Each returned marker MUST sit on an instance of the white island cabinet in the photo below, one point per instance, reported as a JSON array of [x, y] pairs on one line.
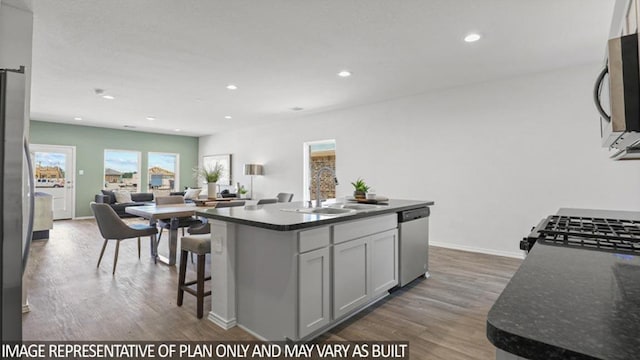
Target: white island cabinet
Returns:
[[364, 268], [313, 281], [293, 284], [282, 275], [350, 280], [365, 262]]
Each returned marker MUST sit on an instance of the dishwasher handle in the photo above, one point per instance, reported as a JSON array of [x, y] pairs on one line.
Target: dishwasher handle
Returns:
[[413, 214]]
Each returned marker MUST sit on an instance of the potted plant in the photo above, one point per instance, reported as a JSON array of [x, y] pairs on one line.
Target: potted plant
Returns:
[[211, 175], [360, 189], [242, 192]]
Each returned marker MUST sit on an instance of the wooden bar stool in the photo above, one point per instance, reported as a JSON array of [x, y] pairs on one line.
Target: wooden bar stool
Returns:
[[201, 246]]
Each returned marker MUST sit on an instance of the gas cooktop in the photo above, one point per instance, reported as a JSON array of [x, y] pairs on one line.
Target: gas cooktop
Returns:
[[614, 235]]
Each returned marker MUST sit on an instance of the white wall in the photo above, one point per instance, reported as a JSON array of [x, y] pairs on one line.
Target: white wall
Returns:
[[496, 157]]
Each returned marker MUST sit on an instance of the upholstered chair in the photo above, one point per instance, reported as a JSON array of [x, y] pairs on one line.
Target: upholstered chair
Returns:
[[113, 228]]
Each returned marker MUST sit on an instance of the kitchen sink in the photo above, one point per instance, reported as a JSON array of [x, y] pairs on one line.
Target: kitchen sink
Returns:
[[322, 211], [330, 211], [335, 209], [359, 207], [325, 211]]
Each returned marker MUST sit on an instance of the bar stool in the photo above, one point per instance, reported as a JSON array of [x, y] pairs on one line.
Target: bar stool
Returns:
[[201, 246]]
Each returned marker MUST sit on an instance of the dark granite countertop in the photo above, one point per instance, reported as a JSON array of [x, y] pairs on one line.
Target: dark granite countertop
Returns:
[[567, 303], [271, 216]]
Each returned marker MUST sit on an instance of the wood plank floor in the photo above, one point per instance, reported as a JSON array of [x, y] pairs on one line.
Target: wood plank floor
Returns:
[[442, 317]]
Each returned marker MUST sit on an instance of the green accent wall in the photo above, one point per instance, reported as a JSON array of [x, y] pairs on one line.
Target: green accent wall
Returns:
[[90, 143]]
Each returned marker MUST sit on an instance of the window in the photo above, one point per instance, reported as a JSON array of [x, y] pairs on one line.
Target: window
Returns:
[[319, 154], [163, 173], [49, 169], [122, 170]]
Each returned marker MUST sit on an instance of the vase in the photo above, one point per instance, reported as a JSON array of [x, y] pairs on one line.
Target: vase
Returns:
[[212, 190], [359, 194]]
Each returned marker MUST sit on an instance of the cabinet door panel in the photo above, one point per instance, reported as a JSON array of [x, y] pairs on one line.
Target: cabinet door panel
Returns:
[[350, 282], [313, 312], [384, 261]]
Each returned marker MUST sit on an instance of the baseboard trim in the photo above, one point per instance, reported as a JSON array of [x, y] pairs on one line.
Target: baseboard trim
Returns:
[[223, 323], [83, 218], [252, 332], [322, 330], [516, 255]]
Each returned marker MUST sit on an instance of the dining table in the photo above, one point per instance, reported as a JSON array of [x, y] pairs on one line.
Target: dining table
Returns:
[[173, 212]]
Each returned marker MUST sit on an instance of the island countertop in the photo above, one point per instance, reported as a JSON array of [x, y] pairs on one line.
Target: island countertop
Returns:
[[283, 217], [568, 303]]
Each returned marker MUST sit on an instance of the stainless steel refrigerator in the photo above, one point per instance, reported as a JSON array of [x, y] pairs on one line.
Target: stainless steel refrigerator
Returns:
[[16, 197]]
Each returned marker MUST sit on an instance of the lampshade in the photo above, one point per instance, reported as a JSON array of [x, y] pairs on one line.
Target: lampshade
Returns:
[[253, 169]]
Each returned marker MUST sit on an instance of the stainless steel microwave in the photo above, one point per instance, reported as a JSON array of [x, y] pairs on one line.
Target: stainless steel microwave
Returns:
[[617, 94]]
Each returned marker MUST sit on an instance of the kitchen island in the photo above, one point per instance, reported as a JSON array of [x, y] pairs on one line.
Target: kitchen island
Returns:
[[570, 303], [282, 272]]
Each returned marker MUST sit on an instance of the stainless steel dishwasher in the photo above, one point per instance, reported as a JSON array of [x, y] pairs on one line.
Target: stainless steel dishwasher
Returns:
[[413, 241]]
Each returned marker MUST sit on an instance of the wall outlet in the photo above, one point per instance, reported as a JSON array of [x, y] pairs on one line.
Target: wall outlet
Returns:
[[80, 172]]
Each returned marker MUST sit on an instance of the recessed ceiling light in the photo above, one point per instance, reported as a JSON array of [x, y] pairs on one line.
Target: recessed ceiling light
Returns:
[[228, 117], [108, 97], [77, 118], [472, 37], [177, 130], [297, 108], [344, 73], [232, 87], [150, 118]]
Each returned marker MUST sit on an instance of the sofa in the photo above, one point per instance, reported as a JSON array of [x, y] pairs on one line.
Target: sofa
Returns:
[[182, 193], [108, 197]]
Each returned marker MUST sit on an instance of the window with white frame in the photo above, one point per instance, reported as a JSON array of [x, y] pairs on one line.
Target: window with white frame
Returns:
[[122, 170], [163, 172]]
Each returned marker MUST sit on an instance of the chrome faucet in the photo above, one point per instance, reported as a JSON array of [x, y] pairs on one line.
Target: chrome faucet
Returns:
[[320, 171]]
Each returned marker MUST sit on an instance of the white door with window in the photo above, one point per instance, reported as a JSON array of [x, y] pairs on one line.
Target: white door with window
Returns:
[[54, 170]]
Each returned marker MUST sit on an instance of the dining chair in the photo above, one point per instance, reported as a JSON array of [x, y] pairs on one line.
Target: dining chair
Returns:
[[285, 197], [183, 222], [113, 228], [267, 201], [204, 227]]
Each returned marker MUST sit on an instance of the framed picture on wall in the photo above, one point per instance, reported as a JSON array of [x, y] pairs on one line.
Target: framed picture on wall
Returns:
[[209, 161]]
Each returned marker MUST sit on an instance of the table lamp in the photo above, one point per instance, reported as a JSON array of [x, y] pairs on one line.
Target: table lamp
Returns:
[[253, 169]]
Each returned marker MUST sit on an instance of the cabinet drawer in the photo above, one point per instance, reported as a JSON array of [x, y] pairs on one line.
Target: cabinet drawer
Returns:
[[359, 228], [313, 239]]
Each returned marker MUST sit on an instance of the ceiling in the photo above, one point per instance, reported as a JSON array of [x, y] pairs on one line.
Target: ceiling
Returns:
[[173, 59]]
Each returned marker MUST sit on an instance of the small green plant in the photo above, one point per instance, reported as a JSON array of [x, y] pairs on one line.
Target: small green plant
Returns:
[[242, 190], [360, 186], [210, 174]]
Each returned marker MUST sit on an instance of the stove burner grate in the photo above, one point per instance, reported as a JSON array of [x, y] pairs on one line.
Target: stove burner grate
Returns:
[[615, 235]]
